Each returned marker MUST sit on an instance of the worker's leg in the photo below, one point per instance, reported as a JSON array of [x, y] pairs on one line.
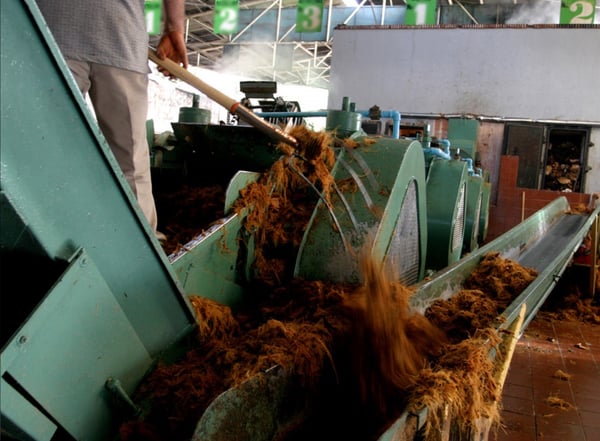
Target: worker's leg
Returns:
[[81, 73], [120, 99]]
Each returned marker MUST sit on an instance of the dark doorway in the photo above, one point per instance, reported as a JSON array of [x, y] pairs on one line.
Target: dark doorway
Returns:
[[527, 142], [566, 159], [551, 157]]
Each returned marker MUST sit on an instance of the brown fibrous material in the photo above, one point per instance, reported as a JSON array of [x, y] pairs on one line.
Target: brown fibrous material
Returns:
[[396, 358], [391, 344], [562, 375], [559, 403]]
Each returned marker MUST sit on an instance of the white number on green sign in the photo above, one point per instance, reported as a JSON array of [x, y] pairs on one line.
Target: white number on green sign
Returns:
[[309, 17], [226, 18], [577, 12], [420, 12]]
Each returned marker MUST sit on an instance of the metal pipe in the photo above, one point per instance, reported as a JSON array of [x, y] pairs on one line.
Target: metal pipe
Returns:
[[467, 12], [356, 9], [254, 20], [498, 118], [292, 114], [113, 385], [437, 152], [445, 145], [329, 14]]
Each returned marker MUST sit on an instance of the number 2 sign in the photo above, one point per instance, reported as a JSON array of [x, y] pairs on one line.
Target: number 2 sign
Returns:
[[225, 18], [577, 11], [309, 16]]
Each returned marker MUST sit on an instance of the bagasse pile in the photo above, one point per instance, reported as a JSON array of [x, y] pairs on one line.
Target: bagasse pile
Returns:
[[463, 377], [567, 302], [184, 212], [359, 350]]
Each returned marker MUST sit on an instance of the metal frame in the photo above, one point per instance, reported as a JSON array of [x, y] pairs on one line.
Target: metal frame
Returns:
[[311, 52]]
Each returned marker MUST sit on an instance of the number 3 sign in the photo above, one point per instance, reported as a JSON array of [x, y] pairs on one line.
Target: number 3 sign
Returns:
[[577, 11], [225, 18], [309, 16]]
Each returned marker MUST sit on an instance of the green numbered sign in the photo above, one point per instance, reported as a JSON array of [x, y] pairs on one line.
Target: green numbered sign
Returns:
[[420, 12], [577, 11], [152, 14], [309, 17], [225, 19]]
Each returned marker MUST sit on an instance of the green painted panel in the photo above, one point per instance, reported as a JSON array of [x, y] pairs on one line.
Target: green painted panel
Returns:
[[484, 218], [473, 213], [383, 171], [446, 207], [62, 181], [463, 134], [75, 340], [20, 419], [209, 265]]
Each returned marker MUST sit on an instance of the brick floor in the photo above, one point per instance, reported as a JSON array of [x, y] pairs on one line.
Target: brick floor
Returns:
[[546, 347]]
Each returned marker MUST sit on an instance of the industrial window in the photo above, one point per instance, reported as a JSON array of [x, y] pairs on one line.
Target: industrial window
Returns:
[[551, 157]]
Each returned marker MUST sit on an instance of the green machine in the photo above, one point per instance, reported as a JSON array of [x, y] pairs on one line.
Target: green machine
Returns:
[[101, 303], [463, 134], [346, 121], [473, 214], [446, 211], [484, 219], [88, 296], [387, 216]]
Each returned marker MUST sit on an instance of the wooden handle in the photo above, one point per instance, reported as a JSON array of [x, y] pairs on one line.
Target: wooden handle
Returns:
[[230, 104], [185, 75]]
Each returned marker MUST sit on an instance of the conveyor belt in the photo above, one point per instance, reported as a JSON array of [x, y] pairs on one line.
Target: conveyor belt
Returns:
[[558, 236], [546, 241]]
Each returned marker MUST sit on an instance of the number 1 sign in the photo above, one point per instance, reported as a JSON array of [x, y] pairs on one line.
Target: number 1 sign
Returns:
[[420, 12]]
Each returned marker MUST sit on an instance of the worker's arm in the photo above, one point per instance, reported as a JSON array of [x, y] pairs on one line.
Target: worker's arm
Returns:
[[172, 44]]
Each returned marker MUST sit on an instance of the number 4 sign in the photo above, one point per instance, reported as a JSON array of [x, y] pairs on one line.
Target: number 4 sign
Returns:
[[577, 11], [309, 16], [225, 18]]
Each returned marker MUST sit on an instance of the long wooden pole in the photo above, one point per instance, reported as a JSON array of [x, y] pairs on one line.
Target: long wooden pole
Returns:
[[230, 104]]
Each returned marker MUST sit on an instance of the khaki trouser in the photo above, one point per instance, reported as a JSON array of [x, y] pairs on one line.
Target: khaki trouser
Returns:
[[120, 100]]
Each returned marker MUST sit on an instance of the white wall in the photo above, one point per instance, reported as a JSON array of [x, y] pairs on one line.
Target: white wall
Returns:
[[518, 72], [533, 73]]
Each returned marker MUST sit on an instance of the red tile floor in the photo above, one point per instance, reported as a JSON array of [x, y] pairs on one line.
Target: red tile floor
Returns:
[[548, 349]]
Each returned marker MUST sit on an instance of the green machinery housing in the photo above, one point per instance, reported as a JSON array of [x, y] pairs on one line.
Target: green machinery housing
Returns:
[[90, 301]]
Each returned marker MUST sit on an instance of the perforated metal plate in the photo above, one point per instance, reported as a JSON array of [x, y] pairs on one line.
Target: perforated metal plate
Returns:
[[459, 225], [403, 257], [385, 224]]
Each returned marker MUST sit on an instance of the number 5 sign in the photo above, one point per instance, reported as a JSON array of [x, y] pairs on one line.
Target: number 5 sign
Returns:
[[225, 18], [577, 11], [309, 16]]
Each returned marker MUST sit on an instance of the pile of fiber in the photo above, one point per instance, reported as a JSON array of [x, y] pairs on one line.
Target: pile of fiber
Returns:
[[360, 350]]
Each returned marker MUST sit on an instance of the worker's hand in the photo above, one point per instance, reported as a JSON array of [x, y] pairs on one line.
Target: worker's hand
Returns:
[[172, 46]]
